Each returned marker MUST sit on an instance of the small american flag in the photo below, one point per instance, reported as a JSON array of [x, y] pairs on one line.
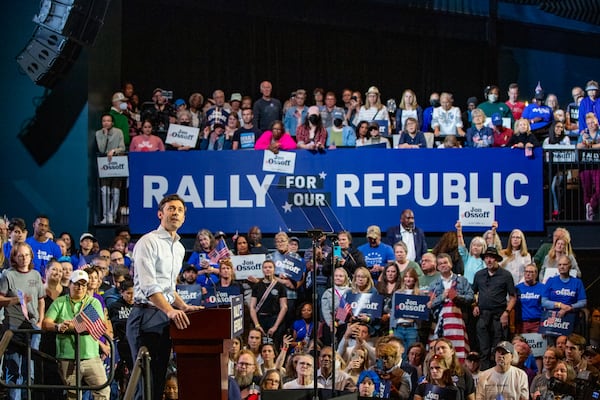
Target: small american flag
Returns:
[[343, 310], [219, 252], [88, 320]]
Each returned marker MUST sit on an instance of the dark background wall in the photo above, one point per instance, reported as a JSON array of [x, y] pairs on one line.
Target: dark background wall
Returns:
[[187, 46]]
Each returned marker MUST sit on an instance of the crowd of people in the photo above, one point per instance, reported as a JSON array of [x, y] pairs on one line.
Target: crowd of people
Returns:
[[481, 298], [322, 123]]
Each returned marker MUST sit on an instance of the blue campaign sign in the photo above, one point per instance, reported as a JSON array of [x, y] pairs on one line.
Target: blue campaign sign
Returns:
[[221, 296], [410, 306], [191, 294], [337, 189], [290, 265], [553, 325], [365, 303]]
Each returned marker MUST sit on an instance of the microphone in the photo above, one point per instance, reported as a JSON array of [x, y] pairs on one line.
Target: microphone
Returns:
[[220, 302]]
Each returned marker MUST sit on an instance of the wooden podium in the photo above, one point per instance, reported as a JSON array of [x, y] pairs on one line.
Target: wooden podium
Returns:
[[201, 364]]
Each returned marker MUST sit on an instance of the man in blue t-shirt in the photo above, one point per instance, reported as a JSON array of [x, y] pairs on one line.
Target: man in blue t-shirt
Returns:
[[43, 248], [244, 138], [377, 254], [529, 300]]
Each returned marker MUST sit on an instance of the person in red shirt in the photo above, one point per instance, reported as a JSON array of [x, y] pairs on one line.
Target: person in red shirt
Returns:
[[501, 134], [516, 106]]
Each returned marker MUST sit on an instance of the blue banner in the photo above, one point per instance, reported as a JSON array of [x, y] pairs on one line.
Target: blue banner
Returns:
[[553, 325], [365, 303], [338, 189], [410, 306], [191, 294]]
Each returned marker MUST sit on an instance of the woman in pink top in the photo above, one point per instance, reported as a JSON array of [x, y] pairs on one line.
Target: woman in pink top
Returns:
[[146, 141], [275, 139]]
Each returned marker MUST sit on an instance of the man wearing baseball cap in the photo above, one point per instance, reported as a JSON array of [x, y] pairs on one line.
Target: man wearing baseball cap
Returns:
[[494, 285], [503, 381], [59, 319]]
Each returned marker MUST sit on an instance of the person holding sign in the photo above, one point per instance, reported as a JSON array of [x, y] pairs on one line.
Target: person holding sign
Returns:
[[110, 143], [563, 293], [406, 328], [438, 383], [472, 261], [268, 304]]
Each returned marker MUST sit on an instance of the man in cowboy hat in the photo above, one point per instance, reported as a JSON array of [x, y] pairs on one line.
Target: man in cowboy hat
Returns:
[[493, 285]]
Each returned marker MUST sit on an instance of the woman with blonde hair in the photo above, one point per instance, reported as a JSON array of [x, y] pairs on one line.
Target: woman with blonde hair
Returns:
[[408, 108], [522, 137], [406, 328], [561, 246], [472, 261], [373, 110], [516, 256], [341, 285]]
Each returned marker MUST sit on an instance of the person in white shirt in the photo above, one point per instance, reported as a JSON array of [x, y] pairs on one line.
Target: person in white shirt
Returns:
[[503, 379]]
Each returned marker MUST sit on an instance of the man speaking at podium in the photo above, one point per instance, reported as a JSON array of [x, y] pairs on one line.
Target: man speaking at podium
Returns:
[[158, 257]]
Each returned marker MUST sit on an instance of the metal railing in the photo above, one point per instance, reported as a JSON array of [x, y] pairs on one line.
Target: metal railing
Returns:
[[141, 369], [564, 169], [28, 385]]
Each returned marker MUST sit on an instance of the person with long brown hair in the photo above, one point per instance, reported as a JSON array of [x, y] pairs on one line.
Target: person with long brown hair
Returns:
[[438, 382]]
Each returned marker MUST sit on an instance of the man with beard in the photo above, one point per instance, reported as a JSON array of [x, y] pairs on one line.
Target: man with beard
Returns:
[[343, 381], [503, 380], [494, 285], [413, 237], [246, 373]]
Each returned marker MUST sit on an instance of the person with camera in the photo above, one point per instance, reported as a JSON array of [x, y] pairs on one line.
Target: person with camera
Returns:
[[356, 336], [561, 385], [395, 383]]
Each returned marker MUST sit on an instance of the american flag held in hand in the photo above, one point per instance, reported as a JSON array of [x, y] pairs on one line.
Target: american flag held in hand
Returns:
[[88, 320], [343, 310], [219, 252]]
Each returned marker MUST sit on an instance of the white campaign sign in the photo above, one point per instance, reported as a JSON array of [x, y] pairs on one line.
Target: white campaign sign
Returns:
[[250, 265], [537, 343], [183, 135], [118, 167], [476, 214], [284, 162]]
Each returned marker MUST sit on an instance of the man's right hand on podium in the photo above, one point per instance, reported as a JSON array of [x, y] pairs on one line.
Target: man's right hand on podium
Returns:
[[179, 318]]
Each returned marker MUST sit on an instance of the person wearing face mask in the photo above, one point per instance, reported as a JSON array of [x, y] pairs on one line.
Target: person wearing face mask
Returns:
[[434, 102], [110, 143], [312, 135], [591, 103], [119, 114], [493, 106], [339, 134]]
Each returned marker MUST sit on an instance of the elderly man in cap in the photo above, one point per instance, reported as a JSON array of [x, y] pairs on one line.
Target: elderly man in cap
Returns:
[[119, 113], [377, 254], [59, 318], [494, 285], [503, 381]]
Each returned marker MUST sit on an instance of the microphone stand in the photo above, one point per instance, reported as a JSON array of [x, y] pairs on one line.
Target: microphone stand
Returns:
[[315, 235]]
